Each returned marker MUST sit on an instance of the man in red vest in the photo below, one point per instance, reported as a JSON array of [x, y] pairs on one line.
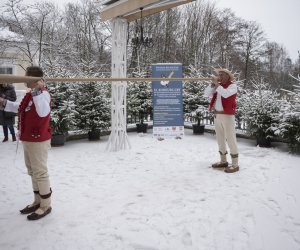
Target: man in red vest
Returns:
[[35, 134], [223, 103]]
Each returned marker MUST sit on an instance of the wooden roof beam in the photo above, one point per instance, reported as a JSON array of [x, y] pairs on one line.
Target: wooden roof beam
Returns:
[[151, 11], [123, 7]]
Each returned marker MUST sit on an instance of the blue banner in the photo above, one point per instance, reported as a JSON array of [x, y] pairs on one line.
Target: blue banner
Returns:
[[168, 120]]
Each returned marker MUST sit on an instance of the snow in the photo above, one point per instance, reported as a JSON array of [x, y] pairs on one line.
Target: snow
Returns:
[[6, 34], [159, 195]]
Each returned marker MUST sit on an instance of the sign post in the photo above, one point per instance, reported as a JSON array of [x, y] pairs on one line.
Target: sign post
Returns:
[[168, 118]]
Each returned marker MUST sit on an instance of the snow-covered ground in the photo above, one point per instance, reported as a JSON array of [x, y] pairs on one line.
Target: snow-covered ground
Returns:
[[160, 195]]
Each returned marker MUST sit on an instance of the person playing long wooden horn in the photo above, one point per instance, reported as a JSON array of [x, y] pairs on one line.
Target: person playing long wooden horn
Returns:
[[223, 93]]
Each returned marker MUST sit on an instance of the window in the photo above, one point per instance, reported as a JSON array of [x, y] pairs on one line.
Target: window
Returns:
[[6, 70]]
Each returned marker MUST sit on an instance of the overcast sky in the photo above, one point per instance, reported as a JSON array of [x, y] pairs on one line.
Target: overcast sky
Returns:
[[280, 19]]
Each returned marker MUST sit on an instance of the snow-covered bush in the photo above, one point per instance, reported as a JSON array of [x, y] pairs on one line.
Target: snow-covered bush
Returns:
[[139, 97], [239, 108], [62, 99], [260, 108], [195, 105], [93, 106], [62, 108], [92, 100], [290, 123]]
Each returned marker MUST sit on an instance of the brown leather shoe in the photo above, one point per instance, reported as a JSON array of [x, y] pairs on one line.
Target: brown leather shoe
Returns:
[[37, 215], [29, 209], [220, 165], [231, 169]]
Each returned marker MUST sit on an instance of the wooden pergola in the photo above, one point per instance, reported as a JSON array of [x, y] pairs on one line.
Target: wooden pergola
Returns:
[[120, 12], [130, 9]]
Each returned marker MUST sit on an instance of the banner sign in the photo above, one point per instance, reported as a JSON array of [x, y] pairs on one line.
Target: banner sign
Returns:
[[168, 118]]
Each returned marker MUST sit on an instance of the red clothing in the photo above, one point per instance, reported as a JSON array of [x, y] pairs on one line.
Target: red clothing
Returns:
[[229, 103], [32, 127]]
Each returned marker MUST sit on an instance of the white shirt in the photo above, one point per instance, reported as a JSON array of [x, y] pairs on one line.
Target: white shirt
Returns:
[[41, 103], [221, 92]]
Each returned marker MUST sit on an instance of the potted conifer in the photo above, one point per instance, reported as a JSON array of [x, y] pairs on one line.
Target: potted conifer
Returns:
[[260, 108], [141, 126], [195, 104], [198, 114], [290, 117], [139, 101], [92, 109], [62, 102], [62, 112]]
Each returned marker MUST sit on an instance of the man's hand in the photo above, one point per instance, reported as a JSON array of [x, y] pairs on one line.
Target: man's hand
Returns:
[[39, 85], [37, 88], [215, 82]]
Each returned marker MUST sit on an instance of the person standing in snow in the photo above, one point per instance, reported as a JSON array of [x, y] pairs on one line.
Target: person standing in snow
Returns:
[[223, 94], [7, 119], [35, 133]]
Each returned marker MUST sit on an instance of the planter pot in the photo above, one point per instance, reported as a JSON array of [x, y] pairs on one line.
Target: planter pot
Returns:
[[94, 135], [263, 142], [198, 129], [58, 140], [141, 127]]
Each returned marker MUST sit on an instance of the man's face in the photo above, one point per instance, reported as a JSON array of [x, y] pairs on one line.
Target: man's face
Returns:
[[223, 77], [31, 84]]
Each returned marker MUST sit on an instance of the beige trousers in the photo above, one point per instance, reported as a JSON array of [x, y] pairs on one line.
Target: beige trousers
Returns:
[[225, 131], [36, 156]]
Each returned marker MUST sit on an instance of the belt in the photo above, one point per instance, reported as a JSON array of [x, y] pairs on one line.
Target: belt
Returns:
[[218, 112]]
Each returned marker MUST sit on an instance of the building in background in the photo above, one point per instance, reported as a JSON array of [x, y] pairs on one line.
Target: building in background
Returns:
[[13, 59]]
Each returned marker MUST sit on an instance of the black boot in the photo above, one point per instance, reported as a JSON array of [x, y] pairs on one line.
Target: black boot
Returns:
[[30, 209], [5, 139], [39, 214], [34, 206], [44, 209], [14, 138]]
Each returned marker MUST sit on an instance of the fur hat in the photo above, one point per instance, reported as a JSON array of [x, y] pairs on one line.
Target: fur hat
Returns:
[[228, 72]]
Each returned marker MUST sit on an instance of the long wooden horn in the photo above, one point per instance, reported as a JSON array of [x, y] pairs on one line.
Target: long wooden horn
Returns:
[[22, 79], [17, 79]]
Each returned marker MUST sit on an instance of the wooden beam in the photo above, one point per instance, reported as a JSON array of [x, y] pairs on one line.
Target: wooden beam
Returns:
[[123, 8], [22, 79], [148, 12]]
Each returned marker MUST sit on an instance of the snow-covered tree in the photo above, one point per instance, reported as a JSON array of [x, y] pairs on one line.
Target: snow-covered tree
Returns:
[[139, 97], [63, 112], [62, 108], [92, 106], [195, 105], [260, 109], [33, 23], [92, 102], [290, 123], [239, 107]]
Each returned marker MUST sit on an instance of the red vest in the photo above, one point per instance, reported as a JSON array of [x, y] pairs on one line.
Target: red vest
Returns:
[[229, 103], [32, 127]]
